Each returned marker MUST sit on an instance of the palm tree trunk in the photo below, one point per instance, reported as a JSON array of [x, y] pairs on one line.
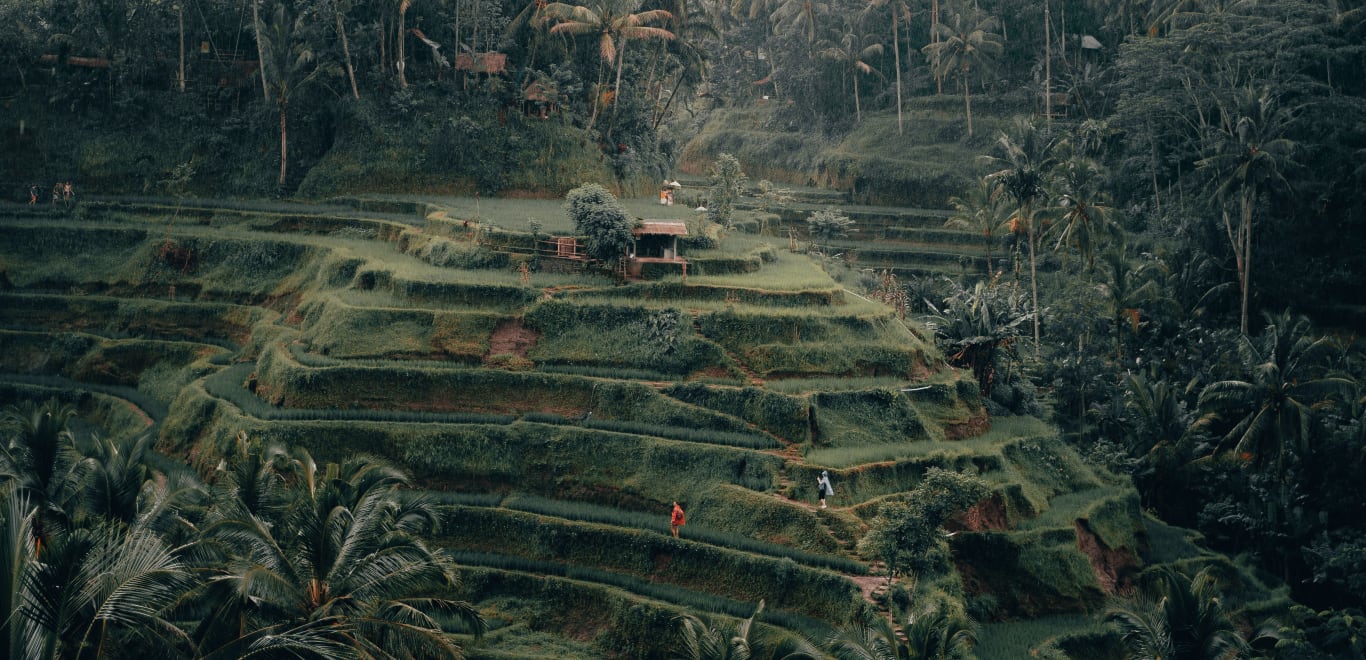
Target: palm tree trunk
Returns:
[[474, 30], [260, 49], [896, 55], [967, 100], [383, 48], [665, 112], [1033, 273], [402, 13], [1047, 68], [858, 112], [1246, 275], [346, 53], [284, 145], [180, 12], [597, 95], [616, 88], [934, 39]]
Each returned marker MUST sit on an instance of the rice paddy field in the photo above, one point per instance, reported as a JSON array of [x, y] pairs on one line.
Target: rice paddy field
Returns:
[[556, 412]]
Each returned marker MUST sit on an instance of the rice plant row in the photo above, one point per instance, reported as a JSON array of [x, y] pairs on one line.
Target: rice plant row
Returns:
[[227, 385], [592, 513], [309, 359], [693, 600], [605, 372], [685, 434], [154, 408]]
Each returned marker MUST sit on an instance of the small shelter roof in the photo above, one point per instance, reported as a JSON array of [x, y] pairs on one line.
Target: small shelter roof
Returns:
[[482, 62], [661, 228], [535, 91]]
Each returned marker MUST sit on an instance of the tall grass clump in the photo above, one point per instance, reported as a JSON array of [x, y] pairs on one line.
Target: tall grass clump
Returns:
[[849, 419], [784, 416]]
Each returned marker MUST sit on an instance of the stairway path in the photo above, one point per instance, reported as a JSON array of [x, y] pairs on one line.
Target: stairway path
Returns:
[[750, 376]]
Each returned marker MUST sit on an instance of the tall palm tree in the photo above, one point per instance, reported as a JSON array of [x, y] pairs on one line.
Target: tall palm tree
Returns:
[[851, 50], [931, 633], [1129, 291], [614, 23], [1085, 219], [116, 471], [898, 9], [1246, 156], [968, 41], [697, 640], [339, 10], [935, 634], [98, 588], [335, 557], [86, 566], [1025, 155], [690, 70], [400, 62], [683, 56], [18, 549], [1178, 14], [1266, 418], [260, 48], [293, 66], [1156, 431], [1176, 617], [982, 213], [800, 16], [38, 461]]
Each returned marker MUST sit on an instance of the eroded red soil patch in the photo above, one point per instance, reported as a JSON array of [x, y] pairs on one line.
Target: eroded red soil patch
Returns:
[[511, 338]]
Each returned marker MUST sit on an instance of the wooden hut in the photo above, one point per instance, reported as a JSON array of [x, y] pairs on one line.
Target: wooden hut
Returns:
[[656, 242]]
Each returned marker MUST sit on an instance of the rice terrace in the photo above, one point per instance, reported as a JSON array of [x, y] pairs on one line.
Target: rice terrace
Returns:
[[640, 330]]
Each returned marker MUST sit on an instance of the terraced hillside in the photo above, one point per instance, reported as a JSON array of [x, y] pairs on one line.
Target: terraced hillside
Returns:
[[903, 241], [558, 414]]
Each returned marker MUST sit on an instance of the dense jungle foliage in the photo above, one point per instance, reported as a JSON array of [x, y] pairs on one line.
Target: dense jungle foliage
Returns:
[[1177, 213]]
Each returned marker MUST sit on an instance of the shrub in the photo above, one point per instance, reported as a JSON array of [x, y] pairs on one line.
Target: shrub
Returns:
[[728, 183], [827, 225], [600, 218]]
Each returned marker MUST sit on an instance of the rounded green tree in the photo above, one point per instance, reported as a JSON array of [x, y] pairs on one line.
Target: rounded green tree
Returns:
[[600, 218]]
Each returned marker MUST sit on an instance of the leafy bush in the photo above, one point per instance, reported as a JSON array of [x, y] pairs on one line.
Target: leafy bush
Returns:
[[598, 216], [728, 183], [827, 225]]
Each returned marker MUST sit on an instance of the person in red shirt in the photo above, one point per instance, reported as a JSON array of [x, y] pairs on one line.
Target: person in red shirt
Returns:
[[676, 520]]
